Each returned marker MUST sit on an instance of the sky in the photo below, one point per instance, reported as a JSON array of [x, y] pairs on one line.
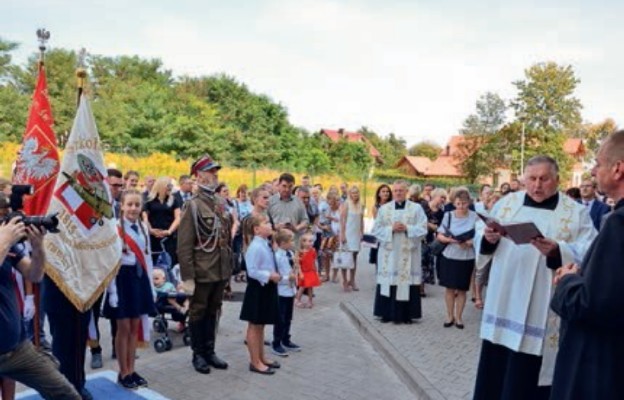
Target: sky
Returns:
[[414, 68]]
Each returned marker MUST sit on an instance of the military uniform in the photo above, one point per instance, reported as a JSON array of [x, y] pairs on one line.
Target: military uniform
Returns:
[[205, 256]]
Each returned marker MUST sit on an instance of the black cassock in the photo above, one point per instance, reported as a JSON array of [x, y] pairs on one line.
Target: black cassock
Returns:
[[590, 361]]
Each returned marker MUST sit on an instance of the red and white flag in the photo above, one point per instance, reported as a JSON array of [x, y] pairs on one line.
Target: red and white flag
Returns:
[[38, 160], [84, 257]]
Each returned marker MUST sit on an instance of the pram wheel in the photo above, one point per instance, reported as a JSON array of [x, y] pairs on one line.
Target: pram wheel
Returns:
[[186, 339], [168, 344], [160, 345]]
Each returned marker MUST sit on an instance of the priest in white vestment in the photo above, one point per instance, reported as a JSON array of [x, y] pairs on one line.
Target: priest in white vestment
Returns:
[[400, 227], [519, 332]]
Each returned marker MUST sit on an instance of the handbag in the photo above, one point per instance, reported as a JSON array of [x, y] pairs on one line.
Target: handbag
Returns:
[[342, 259], [437, 247]]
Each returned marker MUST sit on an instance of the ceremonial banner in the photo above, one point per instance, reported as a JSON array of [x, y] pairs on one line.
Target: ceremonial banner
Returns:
[[84, 257], [38, 160]]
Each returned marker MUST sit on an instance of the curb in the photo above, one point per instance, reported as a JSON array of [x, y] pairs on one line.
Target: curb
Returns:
[[410, 375]]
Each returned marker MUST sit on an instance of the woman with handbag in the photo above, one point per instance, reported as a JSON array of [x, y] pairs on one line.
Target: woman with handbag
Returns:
[[456, 261]]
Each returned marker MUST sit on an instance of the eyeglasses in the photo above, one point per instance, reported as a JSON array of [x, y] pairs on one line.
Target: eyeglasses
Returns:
[[306, 198], [117, 185]]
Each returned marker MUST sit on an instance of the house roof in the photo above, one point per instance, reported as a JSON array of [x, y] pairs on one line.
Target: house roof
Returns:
[[444, 166], [354, 137], [574, 146], [420, 164]]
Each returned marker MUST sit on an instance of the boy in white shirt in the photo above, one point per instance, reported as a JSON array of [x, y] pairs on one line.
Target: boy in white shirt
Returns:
[[286, 290]]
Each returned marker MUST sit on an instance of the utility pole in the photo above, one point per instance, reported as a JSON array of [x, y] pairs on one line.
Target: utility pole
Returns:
[[522, 151]]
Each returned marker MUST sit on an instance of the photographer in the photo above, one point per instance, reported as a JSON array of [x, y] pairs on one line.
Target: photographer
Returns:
[[18, 358]]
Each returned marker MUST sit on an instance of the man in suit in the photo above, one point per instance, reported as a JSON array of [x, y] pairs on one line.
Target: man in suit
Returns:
[[597, 209], [186, 189]]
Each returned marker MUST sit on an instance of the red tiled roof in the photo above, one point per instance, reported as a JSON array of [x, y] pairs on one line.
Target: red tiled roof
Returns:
[[420, 164], [574, 146], [354, 137], [444, 166]]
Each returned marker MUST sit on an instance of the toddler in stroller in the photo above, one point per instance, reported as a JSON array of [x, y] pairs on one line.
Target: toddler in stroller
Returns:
[[169, 302]]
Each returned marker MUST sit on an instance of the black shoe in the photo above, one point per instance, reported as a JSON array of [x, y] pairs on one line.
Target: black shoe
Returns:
[[267, 371], [384, 320], [449, 324], [127, 382], [459, 326], [200, 364], [274, 365], [85, 394], [216, 362], [139, 380], [290, 346]]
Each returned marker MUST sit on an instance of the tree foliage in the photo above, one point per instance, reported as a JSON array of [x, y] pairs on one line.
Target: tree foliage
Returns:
[[425, 148], [489, 116], [547, 112], [141, 108]]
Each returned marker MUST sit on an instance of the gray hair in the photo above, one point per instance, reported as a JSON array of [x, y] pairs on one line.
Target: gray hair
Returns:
[[542, 159], [414, 190], [401, 182], [614, 147]]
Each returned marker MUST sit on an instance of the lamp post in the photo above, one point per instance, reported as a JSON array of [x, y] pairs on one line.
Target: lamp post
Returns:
[[522, 151]]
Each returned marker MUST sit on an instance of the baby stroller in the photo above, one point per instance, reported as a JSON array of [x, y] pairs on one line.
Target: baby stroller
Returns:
[[166, 313], [165, 310]]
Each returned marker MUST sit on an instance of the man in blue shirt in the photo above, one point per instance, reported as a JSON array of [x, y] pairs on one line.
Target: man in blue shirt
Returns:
[[18, 358]]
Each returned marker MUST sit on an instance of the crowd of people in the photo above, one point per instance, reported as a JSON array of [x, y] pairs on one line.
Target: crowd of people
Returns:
[[284, 240]]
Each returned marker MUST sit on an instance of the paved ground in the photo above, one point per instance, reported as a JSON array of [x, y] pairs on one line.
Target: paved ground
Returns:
[[441, 361], [347, 354]]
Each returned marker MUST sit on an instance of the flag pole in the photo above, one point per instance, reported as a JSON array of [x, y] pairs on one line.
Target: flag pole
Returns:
[[43, 36], [81, 74]]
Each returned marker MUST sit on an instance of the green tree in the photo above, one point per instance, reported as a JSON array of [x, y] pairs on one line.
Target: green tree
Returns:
[[545, 105], [425, 148], [545, 100], [6, 48], [489, 118], [479, 152]]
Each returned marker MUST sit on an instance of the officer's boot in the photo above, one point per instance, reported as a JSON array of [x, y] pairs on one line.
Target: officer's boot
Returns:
[[197, 330], [211, 333]]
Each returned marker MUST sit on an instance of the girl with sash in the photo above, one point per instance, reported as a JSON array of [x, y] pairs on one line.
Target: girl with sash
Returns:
[[130, 294]]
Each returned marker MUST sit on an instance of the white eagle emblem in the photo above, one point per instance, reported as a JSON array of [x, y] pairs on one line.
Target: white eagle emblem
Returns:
[[33, 164]]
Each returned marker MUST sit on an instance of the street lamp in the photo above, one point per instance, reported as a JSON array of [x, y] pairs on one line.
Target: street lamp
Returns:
[[522, 151]]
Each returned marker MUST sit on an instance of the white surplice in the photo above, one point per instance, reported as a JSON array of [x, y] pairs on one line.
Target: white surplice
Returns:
[[516, 313], [399, 252]]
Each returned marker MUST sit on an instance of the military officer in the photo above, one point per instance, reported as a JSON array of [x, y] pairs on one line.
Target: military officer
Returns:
[[205, 258]]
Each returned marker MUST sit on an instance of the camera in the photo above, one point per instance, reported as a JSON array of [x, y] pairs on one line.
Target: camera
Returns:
[[16, 202]]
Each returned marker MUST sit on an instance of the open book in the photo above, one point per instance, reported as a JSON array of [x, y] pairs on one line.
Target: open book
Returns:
[[518, 232]]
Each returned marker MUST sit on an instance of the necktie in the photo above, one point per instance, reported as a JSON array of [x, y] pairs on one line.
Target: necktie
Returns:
[[290, 259], [135, 228]]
